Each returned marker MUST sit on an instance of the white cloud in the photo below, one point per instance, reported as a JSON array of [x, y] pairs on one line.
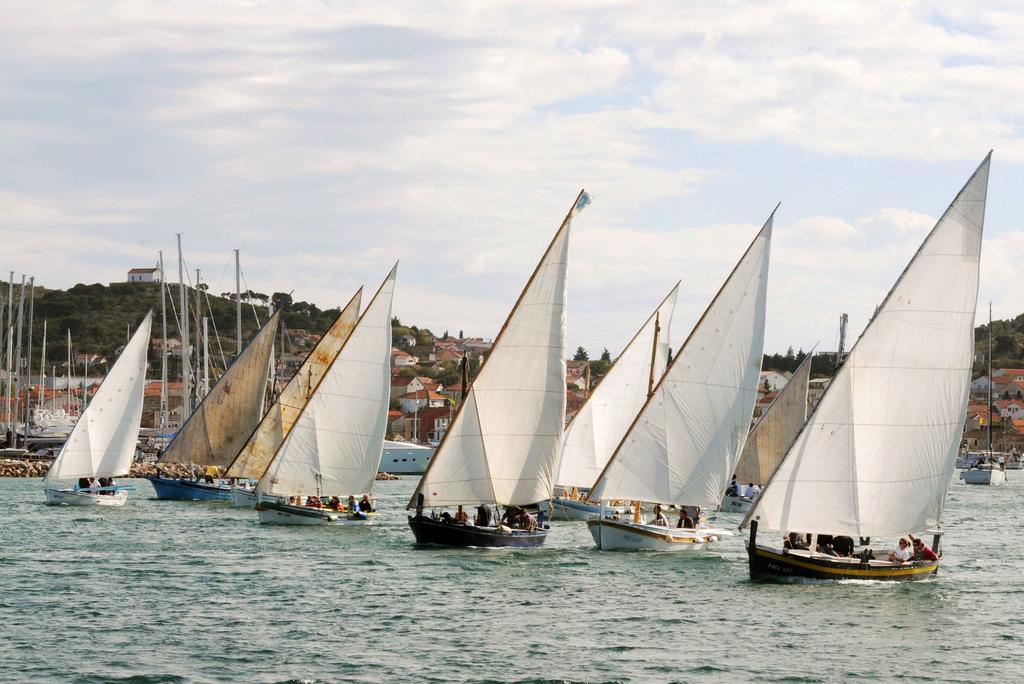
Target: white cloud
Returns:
[[329, 140]]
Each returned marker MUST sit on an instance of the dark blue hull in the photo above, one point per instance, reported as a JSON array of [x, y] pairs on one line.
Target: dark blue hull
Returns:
[[188, 490], [430, 531]]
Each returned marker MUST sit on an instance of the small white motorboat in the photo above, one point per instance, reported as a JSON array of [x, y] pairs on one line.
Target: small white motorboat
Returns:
[[984, 474]]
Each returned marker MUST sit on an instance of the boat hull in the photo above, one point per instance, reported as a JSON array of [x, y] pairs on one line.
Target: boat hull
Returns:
[[399, 458], [983, 476], [435, 532], [188, 490], [243, 498], [620, 535], [737, 504], [773, 564], [275, 513], [71, 497]]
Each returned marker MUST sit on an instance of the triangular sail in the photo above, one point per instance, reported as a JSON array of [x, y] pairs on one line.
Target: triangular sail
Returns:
[[335, 445], [775, 431], [259, 450], [877, 455], [598, 427], [684, 443], [502, 446], [222, 423], [103, 441]]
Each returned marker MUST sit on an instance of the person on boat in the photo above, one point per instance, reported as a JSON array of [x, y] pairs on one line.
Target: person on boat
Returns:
[[352, 505], [291, 501], [796, 542], [825, 545], [461, 517], [903, 553], [733, 489], [843, 546], [483, 516], [921, 550], [336, 503], [685, 521], [364, 504], [659, 519], [83, 483], [446, 518]]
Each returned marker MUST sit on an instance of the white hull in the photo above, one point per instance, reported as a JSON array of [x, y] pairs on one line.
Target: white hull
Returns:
[[574, 510], [310, 516], [70, 497], [615, 535], [400, 458], [736, 504], [243, 498], [983, 476]]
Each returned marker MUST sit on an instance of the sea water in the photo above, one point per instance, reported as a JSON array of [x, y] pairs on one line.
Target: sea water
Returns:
[[169, 591]]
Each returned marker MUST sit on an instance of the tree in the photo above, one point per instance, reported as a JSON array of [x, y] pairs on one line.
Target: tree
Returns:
[[581, 355], [281, 300], [606, 355]]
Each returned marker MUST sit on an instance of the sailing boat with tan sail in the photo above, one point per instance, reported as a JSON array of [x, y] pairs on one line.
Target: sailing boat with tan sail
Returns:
[[861, 473], [598, 427], [257, 453], [684, 442], [329, 457], [221, 424], [502, 446], [769, 439]]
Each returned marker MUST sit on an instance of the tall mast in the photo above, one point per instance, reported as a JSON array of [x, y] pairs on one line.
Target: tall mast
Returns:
[[163, 350], [186, 373], [42, 367], [17, 363], [990, 379], [199, 341], [654, 353], [206, 357], [238, 306], [67, 376], [28, 369], [8, 421]]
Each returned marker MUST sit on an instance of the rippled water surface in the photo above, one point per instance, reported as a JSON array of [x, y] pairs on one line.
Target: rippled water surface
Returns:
[[163, 591]]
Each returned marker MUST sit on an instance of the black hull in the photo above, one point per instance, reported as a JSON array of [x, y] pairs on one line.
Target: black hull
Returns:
[[770, 564], [430, 531]]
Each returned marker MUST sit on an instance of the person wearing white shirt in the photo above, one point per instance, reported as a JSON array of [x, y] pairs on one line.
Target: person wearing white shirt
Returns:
[[901, 554]]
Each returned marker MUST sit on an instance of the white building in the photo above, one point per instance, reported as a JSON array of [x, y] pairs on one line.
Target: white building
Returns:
[[144, 275]]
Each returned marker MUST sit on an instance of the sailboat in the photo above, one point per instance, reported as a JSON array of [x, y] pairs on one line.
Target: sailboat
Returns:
[[334, 446], [103, 441], [684, 442], [221, 424], [502, 445], [258, 451], [770, 437], [988, 469], [876, 457], [598, 427]]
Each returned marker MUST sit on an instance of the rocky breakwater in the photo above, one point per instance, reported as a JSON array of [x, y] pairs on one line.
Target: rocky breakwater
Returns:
[[24, 468]]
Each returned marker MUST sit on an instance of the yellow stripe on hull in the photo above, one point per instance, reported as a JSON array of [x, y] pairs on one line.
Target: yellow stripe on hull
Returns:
[[823, 568]]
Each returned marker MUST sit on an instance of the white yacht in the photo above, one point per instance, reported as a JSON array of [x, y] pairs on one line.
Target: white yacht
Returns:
[[404, 458]]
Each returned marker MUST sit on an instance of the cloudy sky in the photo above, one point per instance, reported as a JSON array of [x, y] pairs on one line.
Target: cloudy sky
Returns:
[[327, 139]]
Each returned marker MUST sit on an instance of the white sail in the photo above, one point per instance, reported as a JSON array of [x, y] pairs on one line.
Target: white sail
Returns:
[[259, 450], [222, 423], [598, 427], [502, 446], [774, 432], [335, 445], [683, 445], [877, 455], [103, 441]]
